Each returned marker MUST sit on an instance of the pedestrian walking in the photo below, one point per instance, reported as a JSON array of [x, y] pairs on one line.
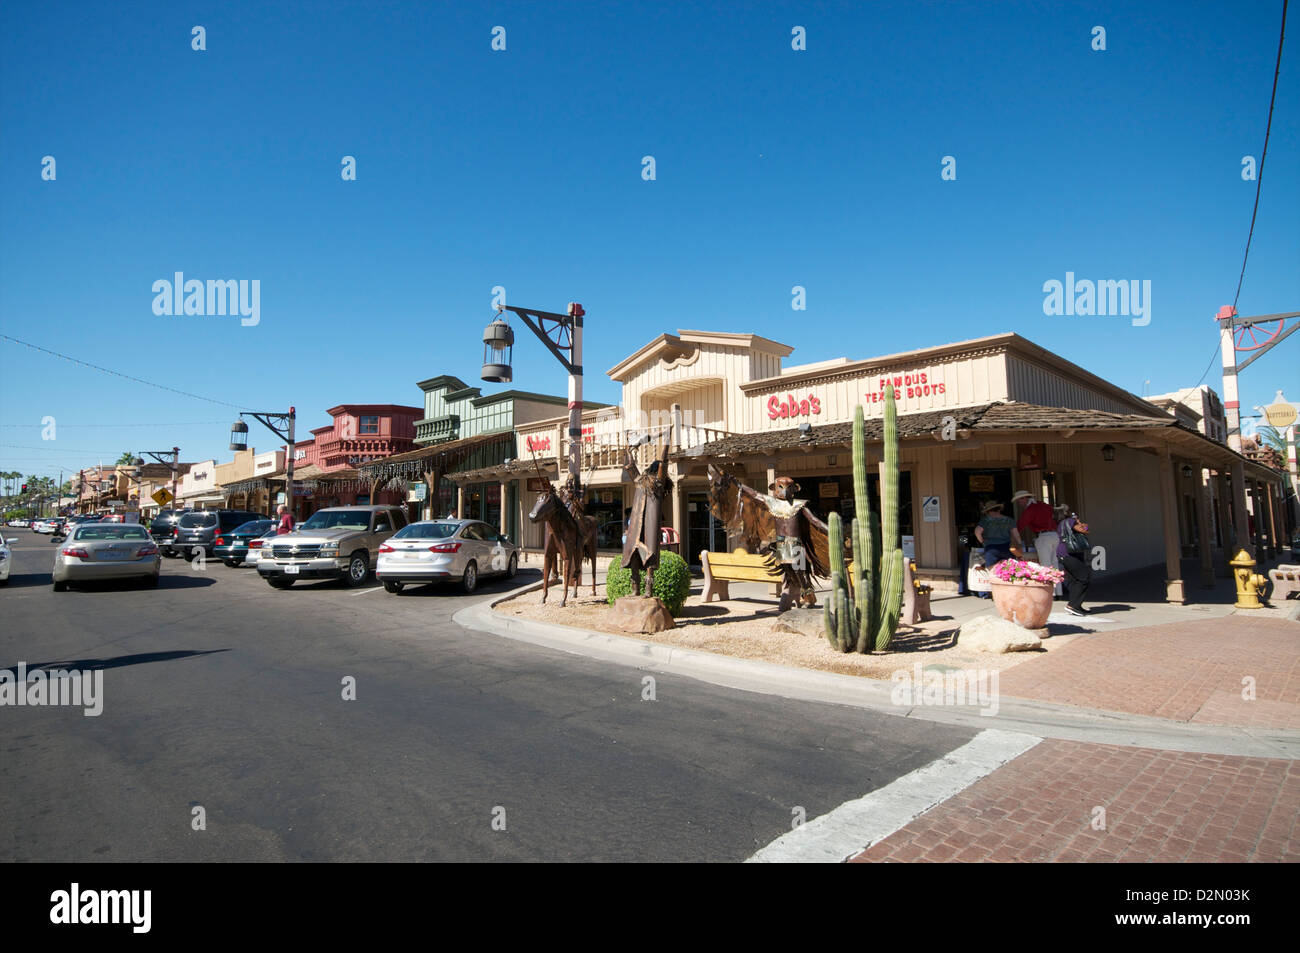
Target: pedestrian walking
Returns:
[[1037, 523], [1075, 552], [286, 521], [997, 533]]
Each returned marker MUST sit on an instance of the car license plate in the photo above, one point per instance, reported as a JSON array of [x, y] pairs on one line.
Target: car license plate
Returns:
[[410, 555], [112, 554], [291, 570]]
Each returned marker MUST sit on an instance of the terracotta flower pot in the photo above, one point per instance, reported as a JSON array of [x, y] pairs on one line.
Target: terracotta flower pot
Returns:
[[1027, 604]]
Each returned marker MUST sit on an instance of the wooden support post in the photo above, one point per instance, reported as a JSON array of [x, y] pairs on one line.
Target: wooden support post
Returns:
[[1173, 549], [1204, 526], [679, 509], [1258, 538], [1240, 523]]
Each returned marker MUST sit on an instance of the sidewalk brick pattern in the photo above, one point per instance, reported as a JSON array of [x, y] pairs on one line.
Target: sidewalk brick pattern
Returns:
[[1161, 806], [1187, 671]]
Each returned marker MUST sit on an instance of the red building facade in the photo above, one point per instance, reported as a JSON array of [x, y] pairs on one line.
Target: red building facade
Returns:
[[326, 465]]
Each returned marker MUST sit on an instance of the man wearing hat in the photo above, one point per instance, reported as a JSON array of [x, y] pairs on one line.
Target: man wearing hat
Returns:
[[1036, 519]]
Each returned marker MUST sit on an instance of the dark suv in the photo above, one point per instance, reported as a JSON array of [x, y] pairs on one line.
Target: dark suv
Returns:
[[198, 529], [163, 527]]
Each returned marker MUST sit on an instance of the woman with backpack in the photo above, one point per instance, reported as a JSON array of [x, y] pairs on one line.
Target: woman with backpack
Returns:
[[1075, 554]]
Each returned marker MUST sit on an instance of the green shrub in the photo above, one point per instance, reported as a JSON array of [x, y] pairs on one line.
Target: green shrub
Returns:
[[672, 582]]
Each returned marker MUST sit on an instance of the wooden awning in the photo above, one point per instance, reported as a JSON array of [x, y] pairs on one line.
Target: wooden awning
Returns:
[[440, 457]]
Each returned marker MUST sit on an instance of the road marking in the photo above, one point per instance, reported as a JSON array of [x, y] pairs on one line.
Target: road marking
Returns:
[[855, 825], [362, 592]]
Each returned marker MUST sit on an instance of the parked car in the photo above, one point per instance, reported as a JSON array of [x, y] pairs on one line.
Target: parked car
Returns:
[[6, 558], [338, 542], [197, 529], [163, 528], [254, 553], [45, 526], [231, 547], [97, 551], [441, 550]]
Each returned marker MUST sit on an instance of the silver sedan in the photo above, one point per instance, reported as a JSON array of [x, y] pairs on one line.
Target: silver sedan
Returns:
[[442, 550], [97, 551]]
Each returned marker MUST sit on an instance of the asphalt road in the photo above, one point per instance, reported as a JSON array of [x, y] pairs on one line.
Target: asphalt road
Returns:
[[222, 693]]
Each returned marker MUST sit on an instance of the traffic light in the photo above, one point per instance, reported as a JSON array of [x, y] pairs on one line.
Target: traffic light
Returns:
[[24, 487]]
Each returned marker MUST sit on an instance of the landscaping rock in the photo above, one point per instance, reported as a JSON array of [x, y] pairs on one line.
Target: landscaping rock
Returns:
[[801, 622], [640, 614], [995, 635]]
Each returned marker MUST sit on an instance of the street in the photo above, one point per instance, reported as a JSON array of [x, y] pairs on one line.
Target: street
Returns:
[[223, 694]]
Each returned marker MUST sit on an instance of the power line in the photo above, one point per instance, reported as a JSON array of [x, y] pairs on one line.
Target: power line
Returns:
[[18, 446], [1259, 173], [183, 423], [1213, 355], [105, 370], [1259, 181]]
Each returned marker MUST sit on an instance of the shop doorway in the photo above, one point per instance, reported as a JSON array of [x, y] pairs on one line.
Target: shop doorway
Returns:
[[605, 504], [703, 532], [972, 488]]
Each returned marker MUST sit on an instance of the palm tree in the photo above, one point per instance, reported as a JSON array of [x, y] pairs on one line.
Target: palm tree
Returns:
[[126, 459]]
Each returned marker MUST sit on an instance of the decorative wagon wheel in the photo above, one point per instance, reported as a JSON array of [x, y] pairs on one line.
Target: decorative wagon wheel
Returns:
[[1252, 337]]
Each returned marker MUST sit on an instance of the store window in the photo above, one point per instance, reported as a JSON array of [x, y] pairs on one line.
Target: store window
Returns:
[[606, 505], [834, 494]]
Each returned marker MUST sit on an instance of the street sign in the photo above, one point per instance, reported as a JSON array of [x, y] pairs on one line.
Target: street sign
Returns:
[[1280, 414], [162, 496]]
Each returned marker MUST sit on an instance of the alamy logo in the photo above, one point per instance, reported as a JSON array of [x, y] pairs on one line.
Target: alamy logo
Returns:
[[74, 906], [220, 297], [53, 687], [922, 686], [1105, 297]]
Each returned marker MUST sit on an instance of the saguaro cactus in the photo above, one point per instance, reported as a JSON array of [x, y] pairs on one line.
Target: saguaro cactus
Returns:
[[862, 612], [891, 563], [839, 612]]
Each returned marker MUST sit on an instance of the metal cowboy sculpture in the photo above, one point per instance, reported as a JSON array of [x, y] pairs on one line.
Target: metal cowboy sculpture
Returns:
[[641, 548], [777, 525]]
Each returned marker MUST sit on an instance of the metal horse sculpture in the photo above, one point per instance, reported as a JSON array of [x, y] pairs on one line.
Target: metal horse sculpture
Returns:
[[567, 534], [775, 525], [576, 506]]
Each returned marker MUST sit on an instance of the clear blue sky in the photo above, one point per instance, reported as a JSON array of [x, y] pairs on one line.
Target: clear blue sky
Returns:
[[522, 168]]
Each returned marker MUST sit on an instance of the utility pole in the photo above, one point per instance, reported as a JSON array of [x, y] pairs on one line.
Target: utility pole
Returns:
[[273, 422], [562, 335]]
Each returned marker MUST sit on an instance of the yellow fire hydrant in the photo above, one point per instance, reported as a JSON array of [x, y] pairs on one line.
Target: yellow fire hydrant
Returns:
[[1249, 584]]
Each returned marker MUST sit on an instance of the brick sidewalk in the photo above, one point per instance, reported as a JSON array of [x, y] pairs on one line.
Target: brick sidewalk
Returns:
[[1187, 671], [1160, 806]]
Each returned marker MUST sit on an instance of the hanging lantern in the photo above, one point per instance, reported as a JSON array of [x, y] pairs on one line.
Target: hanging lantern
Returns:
[[239, 435], [498, 352]]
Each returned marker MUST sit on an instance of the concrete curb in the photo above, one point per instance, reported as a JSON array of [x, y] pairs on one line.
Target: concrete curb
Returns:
[[1044, 719]]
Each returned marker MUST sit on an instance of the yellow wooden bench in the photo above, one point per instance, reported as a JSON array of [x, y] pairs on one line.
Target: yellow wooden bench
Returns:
[[720, 569], [916, 595]]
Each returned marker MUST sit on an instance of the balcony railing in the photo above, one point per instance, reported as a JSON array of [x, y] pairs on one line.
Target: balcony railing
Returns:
[[437, 429], [605, 450]]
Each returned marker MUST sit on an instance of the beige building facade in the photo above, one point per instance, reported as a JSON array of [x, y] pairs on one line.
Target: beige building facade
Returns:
[[978, 421]]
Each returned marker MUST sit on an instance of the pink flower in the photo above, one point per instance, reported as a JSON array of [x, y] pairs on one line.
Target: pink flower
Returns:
[[1023, 571]]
